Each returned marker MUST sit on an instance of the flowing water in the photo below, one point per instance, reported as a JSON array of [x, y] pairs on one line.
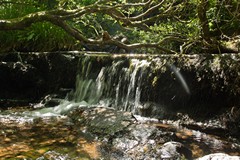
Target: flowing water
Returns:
[[118, 85], [48, 137], [47, 133]]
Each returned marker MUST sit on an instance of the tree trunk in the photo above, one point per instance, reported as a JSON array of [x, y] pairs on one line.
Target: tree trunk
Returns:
[[202, 10]]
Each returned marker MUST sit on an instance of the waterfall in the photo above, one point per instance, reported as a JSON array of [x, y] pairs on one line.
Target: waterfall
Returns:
[[128, 84], [118, 85]]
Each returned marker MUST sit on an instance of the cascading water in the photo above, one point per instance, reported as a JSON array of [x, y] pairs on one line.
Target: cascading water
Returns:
[[118, 85], [127, 84]]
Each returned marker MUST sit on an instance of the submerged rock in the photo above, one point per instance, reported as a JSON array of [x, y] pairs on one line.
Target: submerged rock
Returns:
[[101, 120], [107, 121], [137, 142], [124, 136]]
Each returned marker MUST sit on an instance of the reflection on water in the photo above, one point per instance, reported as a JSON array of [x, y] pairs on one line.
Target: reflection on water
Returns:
[[43, 137]]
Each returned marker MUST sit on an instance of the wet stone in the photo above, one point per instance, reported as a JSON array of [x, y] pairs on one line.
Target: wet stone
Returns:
[[219, 156], [93, 132], [101, 120], [140, 140], [49, 101], [142, 132], [175, 150], [53, 155], [124, 143]]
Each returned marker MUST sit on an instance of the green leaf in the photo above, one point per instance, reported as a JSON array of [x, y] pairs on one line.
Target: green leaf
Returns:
[[30, 37]]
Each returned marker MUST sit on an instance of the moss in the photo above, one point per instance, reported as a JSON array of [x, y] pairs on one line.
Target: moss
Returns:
[[154, 81]]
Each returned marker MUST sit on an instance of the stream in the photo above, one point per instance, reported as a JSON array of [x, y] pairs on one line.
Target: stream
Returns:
[[115, 112], [27, 134]]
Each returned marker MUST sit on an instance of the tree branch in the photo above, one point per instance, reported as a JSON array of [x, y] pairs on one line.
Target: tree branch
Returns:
[[26, 21], [147, 12], [60, 16], [110, 41]]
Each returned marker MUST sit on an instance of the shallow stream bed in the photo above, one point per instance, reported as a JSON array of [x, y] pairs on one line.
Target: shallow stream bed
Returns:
[[58, 137], [43, 138]]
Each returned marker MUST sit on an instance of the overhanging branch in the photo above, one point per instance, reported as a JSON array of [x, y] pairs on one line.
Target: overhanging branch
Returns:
[[59, 18]]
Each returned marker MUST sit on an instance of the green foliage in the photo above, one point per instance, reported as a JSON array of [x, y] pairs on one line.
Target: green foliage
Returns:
[[86, 2], [181, 22], [38, 37], [46, 36], [74, 4], [186, 27], [17, 9], [223, 17]]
